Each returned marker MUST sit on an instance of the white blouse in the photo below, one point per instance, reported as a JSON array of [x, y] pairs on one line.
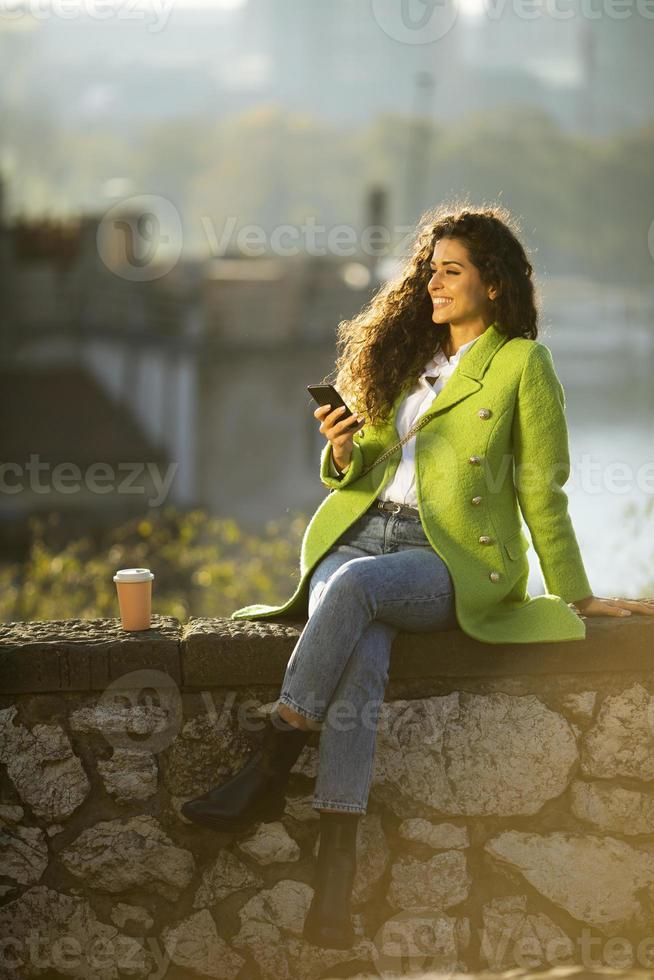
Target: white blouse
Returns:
[[402, 488]]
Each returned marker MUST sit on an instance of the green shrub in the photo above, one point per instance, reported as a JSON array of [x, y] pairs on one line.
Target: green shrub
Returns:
[[203, 566]]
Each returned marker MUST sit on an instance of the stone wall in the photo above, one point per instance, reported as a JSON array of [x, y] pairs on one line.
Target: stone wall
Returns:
[[510, 822]]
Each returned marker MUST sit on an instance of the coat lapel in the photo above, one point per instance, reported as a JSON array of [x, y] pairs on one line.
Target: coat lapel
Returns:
[[466, 379]]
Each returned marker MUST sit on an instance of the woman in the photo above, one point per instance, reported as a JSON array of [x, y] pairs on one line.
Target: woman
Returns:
[[430, 538]]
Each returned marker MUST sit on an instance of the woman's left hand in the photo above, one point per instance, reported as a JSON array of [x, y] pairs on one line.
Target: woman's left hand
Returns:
[[597, 606]]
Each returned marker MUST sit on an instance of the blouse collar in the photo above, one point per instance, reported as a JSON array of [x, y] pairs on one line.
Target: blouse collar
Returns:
[[440, 360]]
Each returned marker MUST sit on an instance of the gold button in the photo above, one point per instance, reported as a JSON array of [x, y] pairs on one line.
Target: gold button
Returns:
[[484, 539], [484, 413], [476, 501], [494, 576], [475, 460]]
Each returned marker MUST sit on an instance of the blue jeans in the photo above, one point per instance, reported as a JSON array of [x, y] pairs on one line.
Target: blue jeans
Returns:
[[380, 577]]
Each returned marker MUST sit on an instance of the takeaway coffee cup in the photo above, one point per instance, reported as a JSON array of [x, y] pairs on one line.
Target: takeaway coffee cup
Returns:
[[134, 586]]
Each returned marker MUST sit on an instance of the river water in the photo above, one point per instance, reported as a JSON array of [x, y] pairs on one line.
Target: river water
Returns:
[[602, 341]]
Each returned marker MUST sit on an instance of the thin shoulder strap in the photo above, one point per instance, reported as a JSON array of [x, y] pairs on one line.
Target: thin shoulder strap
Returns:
[[389, 452]]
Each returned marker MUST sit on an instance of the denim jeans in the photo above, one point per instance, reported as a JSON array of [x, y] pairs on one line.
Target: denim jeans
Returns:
[[380, 577]]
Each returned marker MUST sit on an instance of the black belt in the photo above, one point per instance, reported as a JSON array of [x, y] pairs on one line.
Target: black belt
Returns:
[[390, 507]]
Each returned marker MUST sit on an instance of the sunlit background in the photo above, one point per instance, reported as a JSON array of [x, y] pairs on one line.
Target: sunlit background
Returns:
[[189, 194]]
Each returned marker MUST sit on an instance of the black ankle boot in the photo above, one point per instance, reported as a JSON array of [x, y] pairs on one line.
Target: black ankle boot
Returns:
[[328, 921], [257, 790]]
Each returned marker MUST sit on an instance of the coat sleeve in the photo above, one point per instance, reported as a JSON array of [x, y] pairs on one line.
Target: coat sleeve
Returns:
[[350, 474], [332, 468], [542, 467]]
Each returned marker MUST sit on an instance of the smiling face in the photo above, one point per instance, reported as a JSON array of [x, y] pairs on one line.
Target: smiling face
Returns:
[[458, 295]]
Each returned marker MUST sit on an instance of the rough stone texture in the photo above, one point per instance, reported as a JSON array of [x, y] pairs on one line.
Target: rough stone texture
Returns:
[[226, 875], [115, 855], [176, 803], [83, 654], [373, 859], [195, 945], [307, 763], [23, 853], [438, 883], [284, 906], [141, 710], [279, 955], [204, 755], [268, 947], [130, 726], [580, 704], [51, 931], [271, 927], [270, 844], [621, 742], [129, 775], [43, 767], [11, 814], [513, 938], [301, 808], [410, 941], [613, 808], [135, 915], [440, 836], [601, 881], [215, 651], [467, 754], [484, 737], [221, 652]]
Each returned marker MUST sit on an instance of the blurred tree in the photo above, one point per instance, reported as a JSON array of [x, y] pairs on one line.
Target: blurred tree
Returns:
[[582, 200], [203, 566]]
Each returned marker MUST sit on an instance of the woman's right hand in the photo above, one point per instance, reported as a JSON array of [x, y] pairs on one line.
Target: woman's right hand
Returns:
[[337, 429]]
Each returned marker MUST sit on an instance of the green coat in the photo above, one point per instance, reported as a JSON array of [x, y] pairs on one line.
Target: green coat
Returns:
[[497, 445]]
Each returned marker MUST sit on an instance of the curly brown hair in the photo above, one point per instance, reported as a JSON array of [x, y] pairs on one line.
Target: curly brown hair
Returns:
[[387, 344]]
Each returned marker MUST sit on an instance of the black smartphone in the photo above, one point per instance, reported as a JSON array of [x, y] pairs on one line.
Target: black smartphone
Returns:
[[327, 395]]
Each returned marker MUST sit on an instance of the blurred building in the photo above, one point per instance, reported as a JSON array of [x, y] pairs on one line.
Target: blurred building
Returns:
[[339, 61], [186, 390], [591, 71], [97, 383]]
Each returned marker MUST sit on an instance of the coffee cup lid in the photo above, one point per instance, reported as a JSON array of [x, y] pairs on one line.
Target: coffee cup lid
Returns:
[[133, 575]]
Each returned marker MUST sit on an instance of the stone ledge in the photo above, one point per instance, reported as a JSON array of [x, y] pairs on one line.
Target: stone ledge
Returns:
[[237, 652], [513, 816], [83, 654], [86, 655], [240, 652]]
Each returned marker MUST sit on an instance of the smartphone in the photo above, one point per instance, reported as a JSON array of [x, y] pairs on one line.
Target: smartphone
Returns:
[[327, 395]]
